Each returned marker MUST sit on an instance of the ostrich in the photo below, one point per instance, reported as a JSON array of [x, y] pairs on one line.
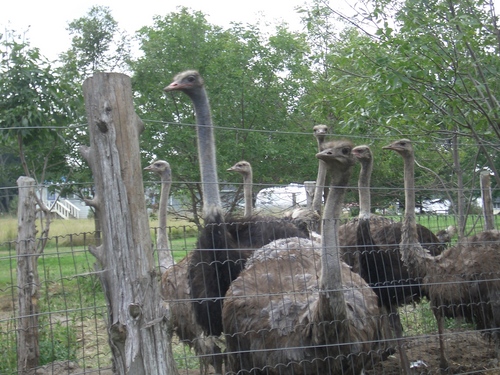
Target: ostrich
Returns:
[[381, 270], [224, 243], [319, 132], [297, 309], [245, 169], [175, 284], [465, 276], [384, 231], [162, 168]]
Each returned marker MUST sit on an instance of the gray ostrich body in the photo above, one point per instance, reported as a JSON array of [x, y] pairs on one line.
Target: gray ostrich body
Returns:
[[464, 277], [224, 243], [245, 169], [297, 309], [162, 168]]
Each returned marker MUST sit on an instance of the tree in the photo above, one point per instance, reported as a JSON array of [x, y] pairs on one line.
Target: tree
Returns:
[[34, 109], [97, 44], [254, 88], [425, 70]]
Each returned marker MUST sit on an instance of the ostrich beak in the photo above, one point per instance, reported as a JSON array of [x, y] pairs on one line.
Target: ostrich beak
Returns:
[[172, 87]]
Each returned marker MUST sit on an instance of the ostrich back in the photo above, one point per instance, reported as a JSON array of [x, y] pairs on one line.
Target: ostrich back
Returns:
[[465, 280], [221, 253], [348, 238], [381, 265], [277, 322]]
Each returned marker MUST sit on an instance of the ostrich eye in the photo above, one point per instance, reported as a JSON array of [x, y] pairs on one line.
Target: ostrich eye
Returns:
[[346, 150], [191, 79]]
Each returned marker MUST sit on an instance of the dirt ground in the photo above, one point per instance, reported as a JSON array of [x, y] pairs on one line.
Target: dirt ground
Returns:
[[468, 353]]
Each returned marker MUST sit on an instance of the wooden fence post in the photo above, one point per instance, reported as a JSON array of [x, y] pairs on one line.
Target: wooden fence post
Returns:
[[28, 282], [489, 220], [138, 326]]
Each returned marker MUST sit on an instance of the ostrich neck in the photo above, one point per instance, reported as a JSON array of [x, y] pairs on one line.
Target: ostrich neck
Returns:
[[364, 189], [247, 190], [164, 255], [320, 184], [320, 139], [412, 253], [331, 270], [206, 154]]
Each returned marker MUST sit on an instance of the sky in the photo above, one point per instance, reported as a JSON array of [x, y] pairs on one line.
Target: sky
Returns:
[[47, 20]]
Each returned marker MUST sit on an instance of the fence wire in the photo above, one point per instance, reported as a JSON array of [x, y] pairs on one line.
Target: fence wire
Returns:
[[269, 315]]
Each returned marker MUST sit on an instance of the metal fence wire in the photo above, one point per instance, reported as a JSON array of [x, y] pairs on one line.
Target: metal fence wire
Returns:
[[262, 311]]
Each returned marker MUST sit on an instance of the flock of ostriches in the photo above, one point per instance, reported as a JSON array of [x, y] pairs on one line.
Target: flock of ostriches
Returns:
[[267, 295]]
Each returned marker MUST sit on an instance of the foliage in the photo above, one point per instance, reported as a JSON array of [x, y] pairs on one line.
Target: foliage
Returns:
[[421, 70], [34, 108], [254, 86], [97, 44]]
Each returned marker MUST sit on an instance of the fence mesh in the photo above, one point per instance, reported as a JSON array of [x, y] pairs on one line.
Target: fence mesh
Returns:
[[72, 313]]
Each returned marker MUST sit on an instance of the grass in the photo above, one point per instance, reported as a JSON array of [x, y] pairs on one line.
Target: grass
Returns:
[[71, 302]]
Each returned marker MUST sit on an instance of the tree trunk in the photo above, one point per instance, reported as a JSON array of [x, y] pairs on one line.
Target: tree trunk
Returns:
[[460, 187], [138, 330], [28, 351], [489, 221]]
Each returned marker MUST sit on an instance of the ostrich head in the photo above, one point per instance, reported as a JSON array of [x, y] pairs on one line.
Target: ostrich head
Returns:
[[320, 131], [402, 147], [160, 167], [338, 154], [187, 81], [362, 153], [242, 167]]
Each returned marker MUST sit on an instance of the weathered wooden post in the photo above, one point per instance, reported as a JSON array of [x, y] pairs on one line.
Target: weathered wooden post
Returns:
[[138, 326], [489, 220], [28, 283]]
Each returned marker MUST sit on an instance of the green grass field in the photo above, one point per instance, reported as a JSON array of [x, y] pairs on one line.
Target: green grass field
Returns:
[[71, 302]]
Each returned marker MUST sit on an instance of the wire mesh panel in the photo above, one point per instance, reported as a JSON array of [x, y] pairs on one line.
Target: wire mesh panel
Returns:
[[261, 310]]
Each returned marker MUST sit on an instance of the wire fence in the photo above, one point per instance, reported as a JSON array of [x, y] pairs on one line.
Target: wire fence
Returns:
[[73, 314]]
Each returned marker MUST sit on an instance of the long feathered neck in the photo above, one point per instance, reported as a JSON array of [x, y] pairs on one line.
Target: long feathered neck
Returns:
[[364, 188], [164, 255], [331, 270], [318, 190], [212, 206], [247, 190], [412, 252], [320, 179]]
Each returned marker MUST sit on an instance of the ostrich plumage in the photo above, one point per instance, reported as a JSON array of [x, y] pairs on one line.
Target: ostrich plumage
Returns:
[[463, 277], [297, 309], [225, 242]]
